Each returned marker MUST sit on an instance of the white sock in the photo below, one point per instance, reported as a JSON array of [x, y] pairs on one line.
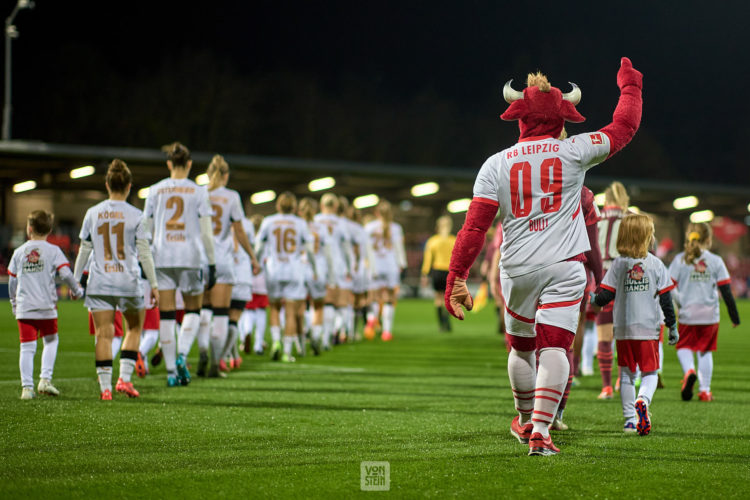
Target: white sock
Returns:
[[308, 319], [49, 354], [288, 343], [551, 379], [372, 313], [686, 359], [104, 374], [116, 343], [245, 324], [589, 346], [349, 321], [329, 316], [204, 330], [627, 393], [168, 343], [275, 334], [297, 345], [661, 355], [388, 312], [705, 370], [218, 339], [317, 332], [522, 374], [649, 381], [127, 366], [231, 343], [282, 318], [188, 331], [149, 338], [338, 319], [260, 329], [26, 363]]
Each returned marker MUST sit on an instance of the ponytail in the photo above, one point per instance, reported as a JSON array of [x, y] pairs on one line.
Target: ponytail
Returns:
[[385, 212], [697, 239], [307, 208], [617, 195], [217, 169]]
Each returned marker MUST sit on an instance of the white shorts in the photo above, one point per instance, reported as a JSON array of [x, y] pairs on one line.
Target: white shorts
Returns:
[[289, 290], [343, 282], [360, 283], [315, 288], [382, 278], [551, 296], [188, 280], [110, 303], [225, 272], [242, 292]]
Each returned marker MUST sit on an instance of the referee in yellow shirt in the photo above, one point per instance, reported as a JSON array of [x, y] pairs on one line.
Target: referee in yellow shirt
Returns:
[[437, 258]]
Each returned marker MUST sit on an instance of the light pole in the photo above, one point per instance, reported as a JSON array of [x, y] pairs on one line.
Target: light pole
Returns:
[[10, 33]]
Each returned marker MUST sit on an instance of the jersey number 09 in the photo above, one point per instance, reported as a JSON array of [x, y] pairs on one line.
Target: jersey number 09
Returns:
[[551, 183]]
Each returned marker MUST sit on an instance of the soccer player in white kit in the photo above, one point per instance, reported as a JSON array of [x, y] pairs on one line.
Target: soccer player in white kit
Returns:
[[536, 187], [634, 280], [227, 220], [360, 276], [385, 240], [700, 276], [179, 213], [113, 232], [281, 241], [33, 300], [256, 308], [242, 291]]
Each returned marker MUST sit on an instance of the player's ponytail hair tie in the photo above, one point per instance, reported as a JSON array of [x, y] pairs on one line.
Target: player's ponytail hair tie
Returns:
[[694, 236]]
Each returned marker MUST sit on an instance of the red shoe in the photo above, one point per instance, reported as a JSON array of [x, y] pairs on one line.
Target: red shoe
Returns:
[[126, 388], [705, 396], [688, 381], [369, 331], [140, 366], [606, 393], [106, 395], [521, 432], [386, 336], [223, 366], [237, 363], [542, 446], [644, 419]]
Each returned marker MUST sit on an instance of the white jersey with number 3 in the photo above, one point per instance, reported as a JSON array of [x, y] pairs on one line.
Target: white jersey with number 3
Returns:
[[537, 185], [227, 209], [283, 237], [112, 228], [176, 206]]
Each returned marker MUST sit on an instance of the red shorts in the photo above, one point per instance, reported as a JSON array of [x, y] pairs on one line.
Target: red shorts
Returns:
[[259, 302], [178, 315], [118, 324], [643, 353], [698, 338], [151, 322], [30, 329]]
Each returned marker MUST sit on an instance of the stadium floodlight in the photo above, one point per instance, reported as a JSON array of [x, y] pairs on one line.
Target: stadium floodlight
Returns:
[[458, 206], [201, 179], [262, 197], [634, 209], [599, 199], [321, 184], [685, 202], [79, 172], [748, 207], [425, 189], [143, 193], [702, 216], [367, 200], [24, 186]]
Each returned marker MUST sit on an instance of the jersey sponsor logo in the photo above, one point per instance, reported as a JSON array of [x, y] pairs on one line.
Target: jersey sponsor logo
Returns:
[[699, 271], [533, 149], [33, 262], [596, 139], [636, 281]]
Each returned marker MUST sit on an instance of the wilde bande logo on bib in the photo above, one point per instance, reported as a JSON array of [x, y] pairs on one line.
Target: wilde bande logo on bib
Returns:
[[699, 271], [33, 262], [375, 476], [636, 281]]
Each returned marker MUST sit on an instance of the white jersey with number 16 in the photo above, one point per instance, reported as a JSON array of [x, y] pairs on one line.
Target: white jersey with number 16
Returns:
[[283, 238]]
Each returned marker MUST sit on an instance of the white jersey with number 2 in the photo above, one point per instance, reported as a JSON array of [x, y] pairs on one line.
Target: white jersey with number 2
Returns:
[[537, 185]]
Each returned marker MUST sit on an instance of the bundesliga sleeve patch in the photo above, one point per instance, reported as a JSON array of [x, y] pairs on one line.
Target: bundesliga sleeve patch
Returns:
[[596, 138]]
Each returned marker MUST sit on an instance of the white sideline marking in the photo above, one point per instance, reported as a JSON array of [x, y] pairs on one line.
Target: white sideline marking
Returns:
[[65, 353], [73, 379]]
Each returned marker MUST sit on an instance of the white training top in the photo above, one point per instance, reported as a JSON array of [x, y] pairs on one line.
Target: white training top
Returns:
[[338, 237], [34, 265], [388, 254], [112, 228], [537, 185], [176, 206], [697, 287], [242, 263], [227, 209], [637, 284], [283, 238]]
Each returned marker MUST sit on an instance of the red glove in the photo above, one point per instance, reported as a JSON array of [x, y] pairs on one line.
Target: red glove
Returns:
[[628, 75], [627, 116], [457, 295]]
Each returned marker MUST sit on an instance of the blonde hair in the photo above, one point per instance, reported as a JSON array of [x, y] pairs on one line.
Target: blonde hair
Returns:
[[330, 200], [444, 222], [216, 171], [343, 206], [697, 239], [307, 208], [256, 219], [538, 80], [286, 203], [635, 236], [385, 214], [617, 195]]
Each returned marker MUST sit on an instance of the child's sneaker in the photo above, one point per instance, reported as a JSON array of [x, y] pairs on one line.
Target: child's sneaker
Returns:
[[45, 387], [106, 395], [521, 432], [558, 424], [643, 427], [629, 427], [27, 393], [140, 366], [688, 381], [606, 393], [223, 365], [126, 388], [286, 358], [542, 446], [705, 396]]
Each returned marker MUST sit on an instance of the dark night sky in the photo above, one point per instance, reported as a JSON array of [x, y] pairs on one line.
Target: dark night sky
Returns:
[[412, 82]]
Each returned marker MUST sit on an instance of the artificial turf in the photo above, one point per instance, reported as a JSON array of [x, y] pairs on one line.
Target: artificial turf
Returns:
[[436, 406]]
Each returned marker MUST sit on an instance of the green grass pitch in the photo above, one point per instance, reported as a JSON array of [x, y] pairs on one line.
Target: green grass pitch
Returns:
[[437, 407]]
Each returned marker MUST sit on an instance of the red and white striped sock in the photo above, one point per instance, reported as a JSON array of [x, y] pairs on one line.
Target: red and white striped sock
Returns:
[[566, 393], [522, 374], [604, 355], [550, 384]]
